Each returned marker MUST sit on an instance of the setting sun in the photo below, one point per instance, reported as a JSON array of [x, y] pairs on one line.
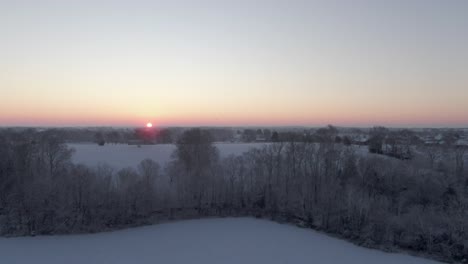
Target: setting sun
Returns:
[[273, 119]]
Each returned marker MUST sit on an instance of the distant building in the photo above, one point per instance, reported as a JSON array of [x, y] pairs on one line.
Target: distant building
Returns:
[[462, 142]]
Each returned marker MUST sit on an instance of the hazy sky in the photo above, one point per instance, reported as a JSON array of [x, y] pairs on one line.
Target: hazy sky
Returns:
[[394, 63]]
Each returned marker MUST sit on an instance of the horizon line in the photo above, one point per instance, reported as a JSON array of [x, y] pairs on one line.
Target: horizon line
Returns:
[[237, 126]]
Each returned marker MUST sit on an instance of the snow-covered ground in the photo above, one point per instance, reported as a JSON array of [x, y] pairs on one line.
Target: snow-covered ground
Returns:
[[228, 240], [121, 156]]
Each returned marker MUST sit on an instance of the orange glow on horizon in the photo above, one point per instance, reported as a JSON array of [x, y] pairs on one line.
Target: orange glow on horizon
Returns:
[[312, 118]]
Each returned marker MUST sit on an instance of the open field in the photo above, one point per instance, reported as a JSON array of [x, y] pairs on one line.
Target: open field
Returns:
[[228, 240], [120, 156]]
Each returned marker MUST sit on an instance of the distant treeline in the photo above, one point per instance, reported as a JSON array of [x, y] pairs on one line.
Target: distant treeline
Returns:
[[381, 140], [420, 205]]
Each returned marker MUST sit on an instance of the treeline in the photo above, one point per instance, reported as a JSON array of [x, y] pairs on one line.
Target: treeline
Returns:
[[420, 205]]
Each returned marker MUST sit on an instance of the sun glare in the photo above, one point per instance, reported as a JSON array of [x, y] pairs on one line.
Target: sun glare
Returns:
[[149, 125]]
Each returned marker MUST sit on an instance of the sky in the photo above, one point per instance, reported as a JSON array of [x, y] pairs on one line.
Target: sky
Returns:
[[269, 63]]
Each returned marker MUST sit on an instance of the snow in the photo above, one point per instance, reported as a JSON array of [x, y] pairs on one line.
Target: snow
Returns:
[[121, 156], [224, 240]]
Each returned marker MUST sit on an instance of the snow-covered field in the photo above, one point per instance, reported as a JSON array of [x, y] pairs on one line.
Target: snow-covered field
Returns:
[[121, 156], [228, 240]]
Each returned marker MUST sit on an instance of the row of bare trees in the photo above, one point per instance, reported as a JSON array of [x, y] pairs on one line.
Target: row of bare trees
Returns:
[[377, 201]]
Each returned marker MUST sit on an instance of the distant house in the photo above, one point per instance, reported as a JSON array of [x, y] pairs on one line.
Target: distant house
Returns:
[[462, 142], [237, 137], [432, 139], [360, 139]]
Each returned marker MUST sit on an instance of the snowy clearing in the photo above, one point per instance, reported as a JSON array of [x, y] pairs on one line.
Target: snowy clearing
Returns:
[[224, 240], [121, 156]]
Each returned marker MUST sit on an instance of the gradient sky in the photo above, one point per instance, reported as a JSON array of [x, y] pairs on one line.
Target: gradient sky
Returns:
[[351, 63]]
